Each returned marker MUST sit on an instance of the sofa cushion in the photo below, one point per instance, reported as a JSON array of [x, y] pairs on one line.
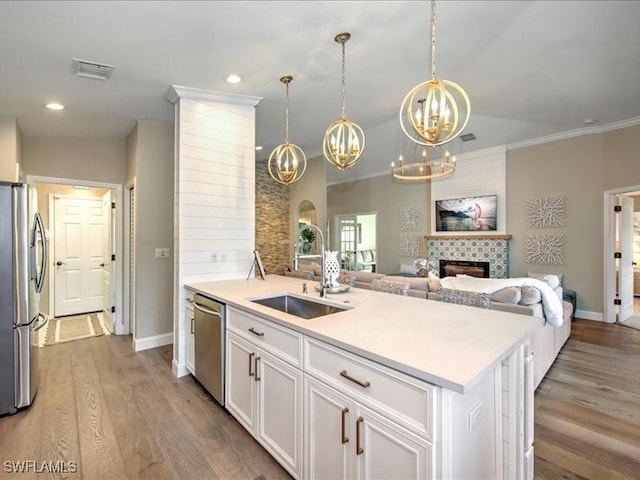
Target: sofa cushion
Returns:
[[464, 297], [434, 282], [365, 277], [415, 283], [529, 296], [510, 295]]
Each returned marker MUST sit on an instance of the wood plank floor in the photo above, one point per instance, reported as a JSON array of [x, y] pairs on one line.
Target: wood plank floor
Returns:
[[119, 414], [587, 418]]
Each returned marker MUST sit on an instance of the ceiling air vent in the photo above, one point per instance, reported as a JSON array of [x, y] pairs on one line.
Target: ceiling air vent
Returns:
[[95, 70], [467, 137]]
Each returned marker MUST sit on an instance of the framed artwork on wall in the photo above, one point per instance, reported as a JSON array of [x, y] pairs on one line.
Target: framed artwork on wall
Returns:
[[467, 214]]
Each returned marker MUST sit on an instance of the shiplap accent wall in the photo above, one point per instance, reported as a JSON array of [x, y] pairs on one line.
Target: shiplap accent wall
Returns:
[[478, 173], [214, 194]]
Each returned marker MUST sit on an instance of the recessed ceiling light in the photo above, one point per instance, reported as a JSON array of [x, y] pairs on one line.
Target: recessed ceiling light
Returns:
[[233, 78], [55, 106], [589, 121], [258, 148]]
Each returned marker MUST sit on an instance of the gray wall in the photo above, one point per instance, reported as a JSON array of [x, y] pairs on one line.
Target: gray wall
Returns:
[[92, 159], [149, 149], [313, 187], [385, 197]]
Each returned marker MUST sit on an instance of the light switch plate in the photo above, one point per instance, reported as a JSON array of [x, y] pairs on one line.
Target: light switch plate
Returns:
[[163, 253]]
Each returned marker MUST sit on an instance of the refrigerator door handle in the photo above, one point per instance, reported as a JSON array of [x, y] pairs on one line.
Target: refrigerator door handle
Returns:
[[39, 228]]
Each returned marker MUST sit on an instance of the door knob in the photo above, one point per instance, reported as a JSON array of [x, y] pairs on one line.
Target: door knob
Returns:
[[58, 263], [102, 264]]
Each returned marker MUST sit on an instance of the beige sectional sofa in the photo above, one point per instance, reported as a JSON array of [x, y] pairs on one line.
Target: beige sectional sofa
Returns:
[[546, 341]]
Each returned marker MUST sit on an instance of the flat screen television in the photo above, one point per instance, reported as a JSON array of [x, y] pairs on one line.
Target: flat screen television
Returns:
[[468, 214]]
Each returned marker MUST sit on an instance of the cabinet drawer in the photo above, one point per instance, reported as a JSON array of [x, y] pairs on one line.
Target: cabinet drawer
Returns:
[[408, 401], [285, 343]]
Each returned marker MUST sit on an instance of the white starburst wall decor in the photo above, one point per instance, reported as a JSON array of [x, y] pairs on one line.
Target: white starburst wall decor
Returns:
[[547, 212], [545, 249], [410, 219], [409, 246]]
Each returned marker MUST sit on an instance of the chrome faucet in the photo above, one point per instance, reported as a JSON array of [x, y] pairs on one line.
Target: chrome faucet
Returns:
[[297, 256]]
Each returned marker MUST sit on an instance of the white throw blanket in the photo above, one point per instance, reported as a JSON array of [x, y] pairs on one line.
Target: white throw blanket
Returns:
[[551, 304]]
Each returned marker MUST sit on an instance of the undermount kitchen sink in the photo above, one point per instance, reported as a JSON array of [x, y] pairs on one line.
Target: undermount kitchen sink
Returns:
[[299, 307]]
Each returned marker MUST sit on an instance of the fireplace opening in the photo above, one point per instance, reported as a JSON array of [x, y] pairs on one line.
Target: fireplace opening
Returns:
[[451, 268]]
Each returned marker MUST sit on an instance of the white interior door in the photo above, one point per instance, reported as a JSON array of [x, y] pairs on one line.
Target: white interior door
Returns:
[[107, 271], [347, 241], [78, 254], [625, 237]]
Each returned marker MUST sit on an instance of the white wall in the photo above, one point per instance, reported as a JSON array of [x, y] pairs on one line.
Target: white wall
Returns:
[[214, 196]]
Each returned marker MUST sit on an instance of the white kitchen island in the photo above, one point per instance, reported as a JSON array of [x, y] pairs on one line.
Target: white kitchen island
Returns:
[[391, 387]]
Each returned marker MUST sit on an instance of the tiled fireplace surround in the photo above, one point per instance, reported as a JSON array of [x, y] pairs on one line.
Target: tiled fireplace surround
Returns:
[[491, 248]]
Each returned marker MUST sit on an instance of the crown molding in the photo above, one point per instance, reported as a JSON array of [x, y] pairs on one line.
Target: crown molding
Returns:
[[176, 92], [610, 127]]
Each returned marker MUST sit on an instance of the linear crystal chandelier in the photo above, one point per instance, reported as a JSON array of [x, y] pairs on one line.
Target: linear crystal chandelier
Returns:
[[343, 141], [287, 162], [436, 111], [425, 167]]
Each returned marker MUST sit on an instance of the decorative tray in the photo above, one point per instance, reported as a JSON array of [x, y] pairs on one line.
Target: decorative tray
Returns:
[[338, 289]]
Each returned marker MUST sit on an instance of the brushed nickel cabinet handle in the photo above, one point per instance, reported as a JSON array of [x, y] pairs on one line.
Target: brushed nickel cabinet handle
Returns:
[[345, 439], [256, 370], [251, 355], [255, 332], [193, 327], [359, 449], [365, 384]]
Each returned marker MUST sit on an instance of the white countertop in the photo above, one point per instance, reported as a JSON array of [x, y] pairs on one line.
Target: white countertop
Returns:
[[444, 344]]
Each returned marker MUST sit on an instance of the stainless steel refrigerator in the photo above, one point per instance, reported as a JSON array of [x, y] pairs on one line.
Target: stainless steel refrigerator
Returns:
[[23, 268]]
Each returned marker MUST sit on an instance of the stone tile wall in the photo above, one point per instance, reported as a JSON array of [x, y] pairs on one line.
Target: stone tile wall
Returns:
[[272, 221]]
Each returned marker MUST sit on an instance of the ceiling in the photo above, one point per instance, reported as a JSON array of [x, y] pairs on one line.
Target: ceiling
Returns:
[[530, 68]]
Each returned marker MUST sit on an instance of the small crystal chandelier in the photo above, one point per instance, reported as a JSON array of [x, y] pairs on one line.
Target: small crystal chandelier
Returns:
[[287, 162], [442, 107], [424, 168], [343, 142]]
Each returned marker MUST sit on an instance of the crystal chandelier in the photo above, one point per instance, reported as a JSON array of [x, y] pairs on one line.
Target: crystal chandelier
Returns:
[[424, 168], [287, 162], [442, 107], [343, 142]]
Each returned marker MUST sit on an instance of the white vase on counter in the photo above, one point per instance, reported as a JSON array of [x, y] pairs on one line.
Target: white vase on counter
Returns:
[[331, 268]]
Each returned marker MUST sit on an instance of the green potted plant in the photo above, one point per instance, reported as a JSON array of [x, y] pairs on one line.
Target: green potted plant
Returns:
[[308, 236]]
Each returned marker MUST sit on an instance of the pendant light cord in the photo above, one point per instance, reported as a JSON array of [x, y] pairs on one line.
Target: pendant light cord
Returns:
[[343, 76], [286, 117], [433, 39]]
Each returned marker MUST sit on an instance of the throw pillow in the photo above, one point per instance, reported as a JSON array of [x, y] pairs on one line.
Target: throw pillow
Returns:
[[399, 288], [510, 295], [552, 279], [408, 270], [366, 256], [530, 296], [463, 297]]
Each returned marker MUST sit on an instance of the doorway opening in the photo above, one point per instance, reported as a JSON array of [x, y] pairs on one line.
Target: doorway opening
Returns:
[[356, 240], [83, 226], [622, 256]]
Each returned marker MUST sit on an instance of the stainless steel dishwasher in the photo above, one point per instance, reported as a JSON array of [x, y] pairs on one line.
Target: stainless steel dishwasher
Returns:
[[209, 325]]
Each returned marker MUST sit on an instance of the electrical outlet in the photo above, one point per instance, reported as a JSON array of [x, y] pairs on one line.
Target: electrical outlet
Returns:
[[222, 255], [474, 417], [214, 256], [162, 253]]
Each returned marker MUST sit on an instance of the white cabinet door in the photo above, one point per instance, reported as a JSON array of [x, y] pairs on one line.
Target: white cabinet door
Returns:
[[386, 451], [329, 439], [279, 427], [241, 393]]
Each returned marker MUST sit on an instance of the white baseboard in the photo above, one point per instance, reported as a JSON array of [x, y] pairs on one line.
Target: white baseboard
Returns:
[[587, 315], [179, 369], [146, 343]]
